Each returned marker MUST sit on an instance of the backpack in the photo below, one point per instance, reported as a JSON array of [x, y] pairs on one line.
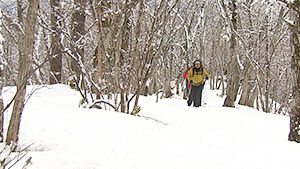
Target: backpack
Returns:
[[186, 73]]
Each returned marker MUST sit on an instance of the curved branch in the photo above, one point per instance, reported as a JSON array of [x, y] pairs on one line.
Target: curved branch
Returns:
[[101, 101]]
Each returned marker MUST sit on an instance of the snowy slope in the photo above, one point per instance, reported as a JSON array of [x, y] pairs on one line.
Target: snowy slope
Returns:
[[173, 137]]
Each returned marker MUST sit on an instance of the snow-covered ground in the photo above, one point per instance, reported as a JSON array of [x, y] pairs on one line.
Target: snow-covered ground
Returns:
[[171, 135]]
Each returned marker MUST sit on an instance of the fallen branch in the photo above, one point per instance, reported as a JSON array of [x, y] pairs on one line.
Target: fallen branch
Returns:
[[101, 101], [151, 118]]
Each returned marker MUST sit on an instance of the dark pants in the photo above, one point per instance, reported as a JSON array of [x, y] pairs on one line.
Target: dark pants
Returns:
[[195, 95]]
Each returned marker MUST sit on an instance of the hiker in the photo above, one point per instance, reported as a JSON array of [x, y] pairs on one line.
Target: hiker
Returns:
[[187, 83], [196, 76]]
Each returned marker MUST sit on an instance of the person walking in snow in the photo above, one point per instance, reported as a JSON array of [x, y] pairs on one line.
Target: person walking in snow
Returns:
[[196, 76]]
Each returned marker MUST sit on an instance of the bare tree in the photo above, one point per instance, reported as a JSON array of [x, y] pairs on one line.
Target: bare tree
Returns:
[[233, 67], [295, 65], [118, 21], [1, 81], [97, 12], [56, 47], [146, 55], [77, 36], [249, 90], [25, 59], [263, 52], [1, 103], [1, 106]]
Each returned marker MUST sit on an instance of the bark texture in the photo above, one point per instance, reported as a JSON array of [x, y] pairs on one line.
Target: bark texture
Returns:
[[25, 60]]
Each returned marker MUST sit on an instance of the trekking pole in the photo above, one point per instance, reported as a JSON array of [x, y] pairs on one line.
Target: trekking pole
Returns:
[[205, 94]]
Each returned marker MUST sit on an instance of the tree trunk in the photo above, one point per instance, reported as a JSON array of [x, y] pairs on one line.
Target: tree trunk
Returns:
[[154, 82], [56, 47], [267, 81], [245, 85], [253, 94], [1, 86], [25, 60], [245, 94], [146, 58], [77, 34], [167, 78], [98, 75], [167, 84], [233, 70], [119, 20], [295, 109], [1, 106]]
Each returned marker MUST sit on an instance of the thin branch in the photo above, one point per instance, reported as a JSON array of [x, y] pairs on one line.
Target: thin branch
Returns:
[[101, 101], [24, 83]]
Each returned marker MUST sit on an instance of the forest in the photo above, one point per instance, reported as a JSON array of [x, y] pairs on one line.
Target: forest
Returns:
[[114, 51]]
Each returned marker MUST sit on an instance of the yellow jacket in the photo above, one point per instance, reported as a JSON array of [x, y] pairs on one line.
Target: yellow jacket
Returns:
[[197, 76]]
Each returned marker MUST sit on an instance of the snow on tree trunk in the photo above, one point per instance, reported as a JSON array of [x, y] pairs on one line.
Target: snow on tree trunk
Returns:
[[245, 85], [1, 106], [25, 59], [1, 82], [167, 85], [233, 68], [56, 47], [77, 33], [167, 78]]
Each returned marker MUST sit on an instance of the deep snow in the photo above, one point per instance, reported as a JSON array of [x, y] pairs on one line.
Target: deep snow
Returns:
[[170, 135]]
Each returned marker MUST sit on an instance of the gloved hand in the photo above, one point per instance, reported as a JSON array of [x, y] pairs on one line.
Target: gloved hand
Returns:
[[191, 81], [206, 77]]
